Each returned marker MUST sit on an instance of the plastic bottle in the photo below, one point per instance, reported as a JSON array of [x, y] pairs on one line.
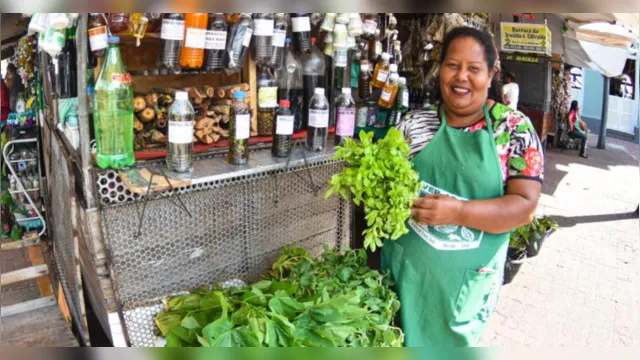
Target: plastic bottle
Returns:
[[402, 102], [301, 28], [59, 21], [289, 78], [239, 130], [318, 129], [369, 25], [240, 36], [67, 67], [313, 76], [364, 81], [171, 38], [340, 37], [216, 42], [355, 25], [267, 100], [283, 130], [389, 92], [98, 34], [346, 116], [381, 72], [278, 39], [138, 26], [113, 116], [328, 22], [180, 134], [195, 36], [262, 34], [118, 22], [232, 18]]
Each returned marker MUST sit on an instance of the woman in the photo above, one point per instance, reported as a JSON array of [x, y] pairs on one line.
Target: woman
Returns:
[[481, 167], [577, 128]]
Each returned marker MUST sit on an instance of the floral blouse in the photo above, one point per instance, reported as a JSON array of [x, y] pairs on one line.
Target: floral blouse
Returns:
[[518, 145]]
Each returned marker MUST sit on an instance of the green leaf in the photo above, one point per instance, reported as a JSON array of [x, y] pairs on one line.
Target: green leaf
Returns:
[[167, 321], [283, 304], [190, 323], [518, 163], [186, 335], [172, 341], [503, 139], [216, 329], [239, 337]]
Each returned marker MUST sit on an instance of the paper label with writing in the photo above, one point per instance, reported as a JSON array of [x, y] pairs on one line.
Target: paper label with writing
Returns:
[[195, 38], [262, 27], [383, 75], [318, 118], [247, 37], [362, 116], [243, 126], [300, 24], [341, 58], [405, 99], [386, 95], [216, 40], [369, 27], [98, 38], [345, 123], [172, 29], [278, 38], [180, 132], [121, 78], [284, 124], [268, 97]]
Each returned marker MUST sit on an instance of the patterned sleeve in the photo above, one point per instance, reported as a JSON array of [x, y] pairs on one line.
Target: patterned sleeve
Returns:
[[418, 128], [519, 148]]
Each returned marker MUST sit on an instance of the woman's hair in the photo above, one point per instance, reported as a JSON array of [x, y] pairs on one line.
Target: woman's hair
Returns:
[[490, 55], [574, 105]]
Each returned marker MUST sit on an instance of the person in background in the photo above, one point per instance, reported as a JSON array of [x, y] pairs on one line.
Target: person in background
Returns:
[[14, 83], [510, 91], [577, 128], [5, 102]]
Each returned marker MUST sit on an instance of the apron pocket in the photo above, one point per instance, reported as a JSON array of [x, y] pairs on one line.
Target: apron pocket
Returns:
[[473, 296]]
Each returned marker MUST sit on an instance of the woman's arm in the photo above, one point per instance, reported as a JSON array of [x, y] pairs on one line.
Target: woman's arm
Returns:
[[516, 208]]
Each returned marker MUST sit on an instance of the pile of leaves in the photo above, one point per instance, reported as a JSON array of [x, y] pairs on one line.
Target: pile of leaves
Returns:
[[333, 301], [380, 176]]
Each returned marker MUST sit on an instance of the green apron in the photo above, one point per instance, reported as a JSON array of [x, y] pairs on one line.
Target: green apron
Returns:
[[448, 277]]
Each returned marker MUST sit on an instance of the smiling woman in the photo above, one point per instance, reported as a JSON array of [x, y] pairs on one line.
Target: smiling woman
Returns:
[[480, 165]]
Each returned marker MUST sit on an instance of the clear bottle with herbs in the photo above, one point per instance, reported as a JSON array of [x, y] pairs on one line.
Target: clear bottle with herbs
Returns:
[[389, 92], [318, 128], [345, 116], [289, 78], [283, 131], [240, 36], [171, 38], [180, 134], [313, 76], [278, 40], [263, 25], [215, 43], [239, 130], [381, 72], [267, 100]]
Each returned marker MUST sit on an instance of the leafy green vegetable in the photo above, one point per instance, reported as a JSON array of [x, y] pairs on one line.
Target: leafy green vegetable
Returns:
[[381, 177], [335, 300]]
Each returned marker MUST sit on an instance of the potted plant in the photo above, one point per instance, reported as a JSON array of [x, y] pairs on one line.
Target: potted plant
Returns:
[[540, 229], [517, 252]]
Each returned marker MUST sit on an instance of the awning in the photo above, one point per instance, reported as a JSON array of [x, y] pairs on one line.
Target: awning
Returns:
[[630, 21]]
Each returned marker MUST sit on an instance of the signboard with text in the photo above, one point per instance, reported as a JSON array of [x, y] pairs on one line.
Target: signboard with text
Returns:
[[525, 38]]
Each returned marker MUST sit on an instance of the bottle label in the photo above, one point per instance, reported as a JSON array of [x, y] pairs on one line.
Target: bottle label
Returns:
[[180, 132], [172, 29], [341, 58], [300, 24], [216, 40], [369, 27], [268, 97], [98, 38], [328, 23], [247, 37], [405, 99], [195, 38], [284, 124], [318, 118], [278, 38], [340, 38], [386, 95], [362, 116], [243, 126], [263, 27], [378, 48], [383, 75], [345, 123], [121, 78]]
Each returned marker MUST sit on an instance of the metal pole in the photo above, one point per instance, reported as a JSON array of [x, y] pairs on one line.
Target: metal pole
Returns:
[[602, 137], [83, 113]]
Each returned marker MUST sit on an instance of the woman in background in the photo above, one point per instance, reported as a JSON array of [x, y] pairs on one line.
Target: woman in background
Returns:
[[577, 128]]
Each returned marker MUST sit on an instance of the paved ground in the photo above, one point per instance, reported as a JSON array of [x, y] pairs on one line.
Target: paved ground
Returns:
[[583, 288]]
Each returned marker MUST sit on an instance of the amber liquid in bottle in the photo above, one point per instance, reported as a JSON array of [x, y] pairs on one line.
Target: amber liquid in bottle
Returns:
[[192, 54], [381, 72], [389, 93]]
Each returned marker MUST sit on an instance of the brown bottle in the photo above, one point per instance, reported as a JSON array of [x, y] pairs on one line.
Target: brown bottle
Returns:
[[98, 34], [364, 81]]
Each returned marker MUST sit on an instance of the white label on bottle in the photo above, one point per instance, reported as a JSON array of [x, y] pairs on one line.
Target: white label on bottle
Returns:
[[386, 95], [180, 132], [341, 58], [300, 24], [98, 38], [243, 126], [405, 99], [284, 125], [262, 27], [278, 38], [172, 29], [345, 123], [216, 40], [383, 75], [318, 118], [195, 38], [247, 37], [369, 27], [363, 111], [268, 97]]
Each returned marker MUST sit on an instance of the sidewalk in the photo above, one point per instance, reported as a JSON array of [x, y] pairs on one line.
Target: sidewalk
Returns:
[[583, 287]]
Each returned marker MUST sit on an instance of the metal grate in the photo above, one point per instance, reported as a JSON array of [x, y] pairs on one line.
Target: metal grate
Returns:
[[236, 231], [62, 233]]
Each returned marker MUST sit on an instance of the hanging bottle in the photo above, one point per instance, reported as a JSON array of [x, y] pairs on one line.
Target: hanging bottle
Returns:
[[301, 28], [346, 116], [328, 22], [171, 38], [118, 22], [138, 26], [355, 25], [67, 67], [369, 25], [262, 35], [180, 134], [232, 18], [240, 36], [283, 130], [98, 34], [364, 81], [381, 72], [290, 84], [239, 130], [354, 73], [402, 102], [313, 76], [267, 100], [278, 39], [389, 92], [195, 37], [318, 129], [215, 43]]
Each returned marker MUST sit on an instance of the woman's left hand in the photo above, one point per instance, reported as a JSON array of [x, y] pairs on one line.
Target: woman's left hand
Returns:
[[437, 210]]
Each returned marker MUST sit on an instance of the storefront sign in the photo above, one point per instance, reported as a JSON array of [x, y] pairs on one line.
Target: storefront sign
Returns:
[[523, 58], [525, 38]]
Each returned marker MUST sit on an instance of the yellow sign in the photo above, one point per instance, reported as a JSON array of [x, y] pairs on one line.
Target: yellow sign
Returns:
[[525, 38], [523, 58]]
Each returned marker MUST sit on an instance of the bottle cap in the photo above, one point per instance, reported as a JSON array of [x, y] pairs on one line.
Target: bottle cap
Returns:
[[285, 103], [386, 56], [394, 77], [114, 39], [182, 95], [346, 90], [239, 95], [319, 91], [287, 40], [393, 68], [402, 80], [313, 39]]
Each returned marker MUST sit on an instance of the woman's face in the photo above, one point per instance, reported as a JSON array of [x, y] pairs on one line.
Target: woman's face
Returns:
[[465, 78]]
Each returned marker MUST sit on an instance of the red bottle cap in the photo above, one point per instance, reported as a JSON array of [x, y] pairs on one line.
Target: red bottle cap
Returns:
[[313, 39], [285, 103]]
